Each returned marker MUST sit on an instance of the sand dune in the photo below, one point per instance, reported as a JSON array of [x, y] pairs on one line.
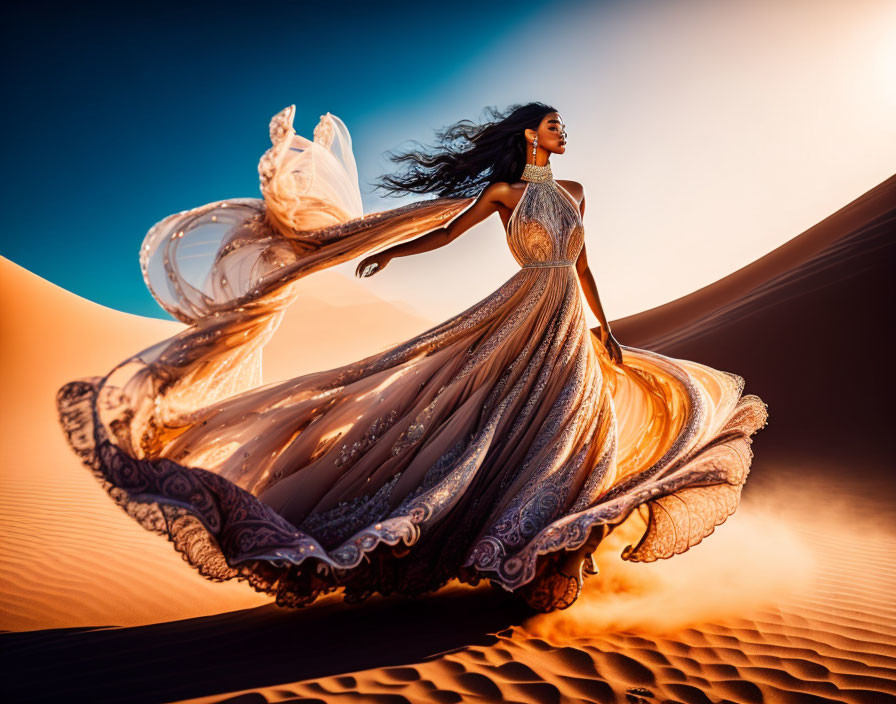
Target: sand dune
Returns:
[[69, 556], [810, 327], [790, 601]]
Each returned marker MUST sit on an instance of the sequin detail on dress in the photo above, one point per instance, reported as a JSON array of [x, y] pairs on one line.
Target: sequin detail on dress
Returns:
[[545, 229], [484, 448]]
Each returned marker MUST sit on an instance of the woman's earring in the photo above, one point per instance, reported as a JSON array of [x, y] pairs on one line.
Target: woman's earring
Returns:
[[534, 146]]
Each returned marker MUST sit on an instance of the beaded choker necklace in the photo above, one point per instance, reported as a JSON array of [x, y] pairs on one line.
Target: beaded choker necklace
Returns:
[[537, 174]]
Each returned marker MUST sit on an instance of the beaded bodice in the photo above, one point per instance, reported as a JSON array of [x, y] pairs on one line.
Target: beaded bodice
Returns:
[[546, 226]]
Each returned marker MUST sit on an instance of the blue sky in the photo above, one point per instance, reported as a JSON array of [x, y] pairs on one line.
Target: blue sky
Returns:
[[705, 133], [118, 116]]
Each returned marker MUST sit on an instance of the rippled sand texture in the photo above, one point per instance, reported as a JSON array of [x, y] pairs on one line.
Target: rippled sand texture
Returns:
[[823, 628], [817, 625]]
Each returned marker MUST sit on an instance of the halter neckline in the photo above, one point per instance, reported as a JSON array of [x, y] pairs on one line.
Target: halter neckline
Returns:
[[537, 174]]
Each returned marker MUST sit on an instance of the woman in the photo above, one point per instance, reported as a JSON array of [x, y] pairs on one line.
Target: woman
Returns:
[[504, 443]]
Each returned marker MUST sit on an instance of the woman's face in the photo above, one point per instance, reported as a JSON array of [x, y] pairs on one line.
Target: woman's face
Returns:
[[552, 133]]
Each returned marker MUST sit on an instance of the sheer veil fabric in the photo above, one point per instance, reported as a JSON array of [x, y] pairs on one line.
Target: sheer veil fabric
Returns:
[[483, 448]]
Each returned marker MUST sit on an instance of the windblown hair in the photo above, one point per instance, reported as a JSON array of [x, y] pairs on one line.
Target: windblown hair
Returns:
[[468, 156]]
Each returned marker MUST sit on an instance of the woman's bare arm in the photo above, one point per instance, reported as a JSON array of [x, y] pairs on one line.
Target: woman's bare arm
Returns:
[[589, 286], [487, 203], [589, 289]]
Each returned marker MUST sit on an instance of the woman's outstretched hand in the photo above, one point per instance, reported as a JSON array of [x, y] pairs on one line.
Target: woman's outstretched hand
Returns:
[[613, 349], [373, 264]]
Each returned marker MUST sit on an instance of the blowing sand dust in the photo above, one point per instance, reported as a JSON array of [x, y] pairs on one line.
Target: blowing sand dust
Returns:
[[747, 563]]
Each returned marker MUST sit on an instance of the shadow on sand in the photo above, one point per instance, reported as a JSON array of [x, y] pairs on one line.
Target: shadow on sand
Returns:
[[257, 647]]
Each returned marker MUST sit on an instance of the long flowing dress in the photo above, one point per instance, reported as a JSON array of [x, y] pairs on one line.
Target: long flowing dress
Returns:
[[484, 448]]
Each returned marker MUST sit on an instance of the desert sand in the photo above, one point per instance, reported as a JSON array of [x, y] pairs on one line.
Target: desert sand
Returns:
[[66, 558], [790, 600]]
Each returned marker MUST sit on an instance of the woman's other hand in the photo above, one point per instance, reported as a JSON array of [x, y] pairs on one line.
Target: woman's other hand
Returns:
[[613, 349]]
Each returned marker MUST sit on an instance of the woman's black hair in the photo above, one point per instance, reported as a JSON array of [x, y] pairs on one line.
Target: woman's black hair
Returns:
[[468, 156]]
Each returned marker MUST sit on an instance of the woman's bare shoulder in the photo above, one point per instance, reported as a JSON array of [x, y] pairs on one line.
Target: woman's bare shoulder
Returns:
[[576, 189], [507, 194]]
